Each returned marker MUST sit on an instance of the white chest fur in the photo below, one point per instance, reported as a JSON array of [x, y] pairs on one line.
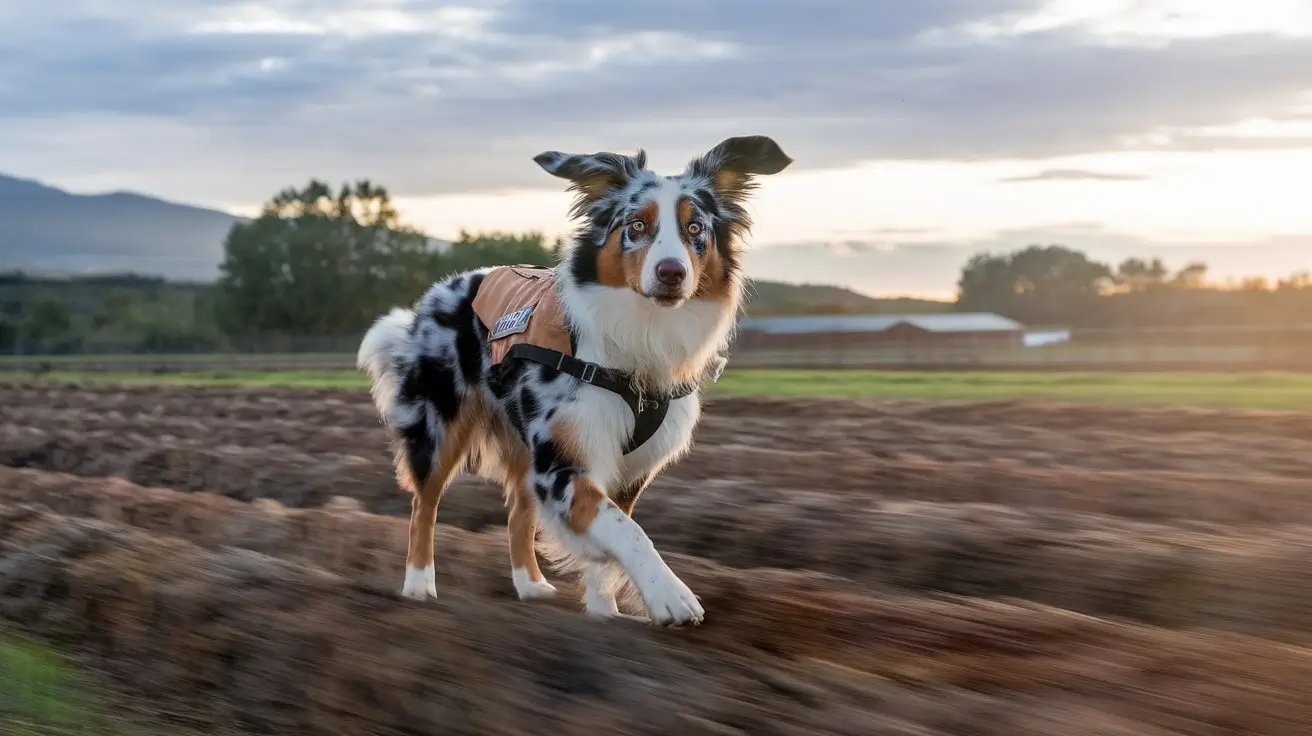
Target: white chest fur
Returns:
[[604, 422], [621, 330]]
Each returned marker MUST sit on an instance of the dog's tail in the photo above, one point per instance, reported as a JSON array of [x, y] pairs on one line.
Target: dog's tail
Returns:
[[380, 349]]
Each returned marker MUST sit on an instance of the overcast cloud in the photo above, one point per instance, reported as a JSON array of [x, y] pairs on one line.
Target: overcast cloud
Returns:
[[225, 101]]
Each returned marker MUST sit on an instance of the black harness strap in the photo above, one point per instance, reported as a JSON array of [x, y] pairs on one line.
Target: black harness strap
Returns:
[[648, 413]]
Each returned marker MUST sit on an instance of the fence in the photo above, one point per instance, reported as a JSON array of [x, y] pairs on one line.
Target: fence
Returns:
[[1286, 348]]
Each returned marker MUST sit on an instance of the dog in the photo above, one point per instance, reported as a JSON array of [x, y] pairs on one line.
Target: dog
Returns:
[[573, 386]]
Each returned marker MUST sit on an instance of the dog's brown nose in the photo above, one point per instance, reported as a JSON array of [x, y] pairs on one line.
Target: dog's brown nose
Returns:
[[670, 272]]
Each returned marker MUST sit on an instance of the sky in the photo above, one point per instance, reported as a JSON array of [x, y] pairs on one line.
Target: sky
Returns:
[[922, 131]]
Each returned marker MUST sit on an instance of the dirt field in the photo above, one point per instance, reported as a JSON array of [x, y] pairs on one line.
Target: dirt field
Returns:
[[231, 559]]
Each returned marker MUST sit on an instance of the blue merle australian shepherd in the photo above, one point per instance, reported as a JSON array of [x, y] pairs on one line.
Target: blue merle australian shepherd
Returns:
[[572, 387]]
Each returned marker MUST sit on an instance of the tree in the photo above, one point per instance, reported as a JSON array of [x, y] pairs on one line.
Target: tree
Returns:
[[1038, 285], [1192, 276], [1296, 282], [319, 263], [496, 248], [50, 318], [1255, 284], [1136, 274]]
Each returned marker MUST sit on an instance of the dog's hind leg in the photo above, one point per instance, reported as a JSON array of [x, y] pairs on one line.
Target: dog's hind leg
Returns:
[[425, 466], [426, 365], [522, 527]]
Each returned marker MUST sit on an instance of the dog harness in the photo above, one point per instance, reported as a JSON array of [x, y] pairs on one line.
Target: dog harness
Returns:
[[520, 309]]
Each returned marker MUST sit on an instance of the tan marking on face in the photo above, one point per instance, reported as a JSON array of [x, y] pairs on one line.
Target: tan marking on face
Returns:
[[686, 212], [686, 215], [618, 269], [585, 505], [715, 284], [610, 262], [649, 214], [708, 267]]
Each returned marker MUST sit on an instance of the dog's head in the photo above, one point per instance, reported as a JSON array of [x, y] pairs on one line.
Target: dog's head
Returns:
[[668, 238]]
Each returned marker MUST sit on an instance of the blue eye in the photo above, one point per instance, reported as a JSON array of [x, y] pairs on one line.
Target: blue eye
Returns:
[[694, 228], [638, 226]]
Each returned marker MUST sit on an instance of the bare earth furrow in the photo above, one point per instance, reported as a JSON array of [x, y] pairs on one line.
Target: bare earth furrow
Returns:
[[327, 407], [300, 479], [306, 437], [891, 439], [351, 407], [1260, 584]]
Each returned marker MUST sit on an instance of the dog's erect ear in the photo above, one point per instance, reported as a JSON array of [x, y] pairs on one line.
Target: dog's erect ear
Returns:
[[592, 174], [732, 164]]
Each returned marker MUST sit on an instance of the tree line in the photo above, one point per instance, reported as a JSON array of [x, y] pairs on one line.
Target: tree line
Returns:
[[317, 265], [1056, 285]]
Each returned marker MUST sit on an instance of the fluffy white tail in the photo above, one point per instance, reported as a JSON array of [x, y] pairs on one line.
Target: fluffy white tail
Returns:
[[382, 344]]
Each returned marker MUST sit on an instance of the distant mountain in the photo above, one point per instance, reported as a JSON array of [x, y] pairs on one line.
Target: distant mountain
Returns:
[[777, 298], [44, 229]]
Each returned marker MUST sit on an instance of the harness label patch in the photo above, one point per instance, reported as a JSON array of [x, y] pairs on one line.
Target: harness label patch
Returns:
[[516, 321]]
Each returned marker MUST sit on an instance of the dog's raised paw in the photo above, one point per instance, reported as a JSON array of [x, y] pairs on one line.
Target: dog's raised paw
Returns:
[[671, 603]]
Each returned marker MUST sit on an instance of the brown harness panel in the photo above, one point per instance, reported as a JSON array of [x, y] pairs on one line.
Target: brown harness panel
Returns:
[[518, 304]]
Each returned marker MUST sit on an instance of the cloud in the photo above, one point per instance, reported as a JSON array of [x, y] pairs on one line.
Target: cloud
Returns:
[[1071, 175], [230, 101]]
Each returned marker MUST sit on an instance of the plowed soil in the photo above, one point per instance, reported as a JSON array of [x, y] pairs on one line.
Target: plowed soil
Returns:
[[230, 559]]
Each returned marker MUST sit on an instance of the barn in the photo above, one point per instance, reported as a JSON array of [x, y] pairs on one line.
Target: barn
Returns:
[[828, 332]]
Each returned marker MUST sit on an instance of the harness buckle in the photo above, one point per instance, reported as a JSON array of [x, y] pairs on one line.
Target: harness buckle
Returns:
[[589, 372]]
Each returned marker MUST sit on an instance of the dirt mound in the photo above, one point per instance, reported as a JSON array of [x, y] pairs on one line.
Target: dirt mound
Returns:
[[279, 646]]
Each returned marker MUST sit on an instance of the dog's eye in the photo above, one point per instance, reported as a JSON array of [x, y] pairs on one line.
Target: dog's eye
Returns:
[[638, 226], [694, 228]]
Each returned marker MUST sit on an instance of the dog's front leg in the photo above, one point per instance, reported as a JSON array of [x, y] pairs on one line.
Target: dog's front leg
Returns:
[[601, 528], [602, 581], [592, 526]]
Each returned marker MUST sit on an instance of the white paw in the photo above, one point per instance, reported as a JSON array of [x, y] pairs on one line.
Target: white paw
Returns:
[[528, 589], [420, 584], [671, 603]]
